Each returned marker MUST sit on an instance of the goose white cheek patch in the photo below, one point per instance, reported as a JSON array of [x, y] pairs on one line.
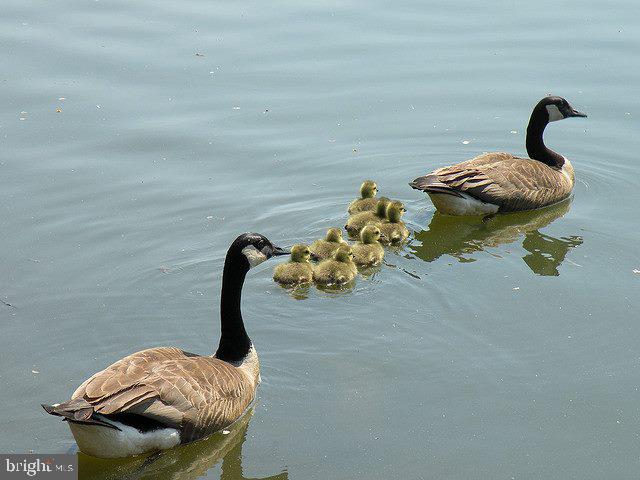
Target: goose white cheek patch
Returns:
[[255, 256], [554, 113]]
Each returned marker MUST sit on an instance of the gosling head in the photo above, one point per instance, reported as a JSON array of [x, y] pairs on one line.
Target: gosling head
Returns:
[[557, 108], [368, 189], [334, 235], [343, 254], [395, 211], [254, 249], [370, 234], [300, 253], [381, 207]]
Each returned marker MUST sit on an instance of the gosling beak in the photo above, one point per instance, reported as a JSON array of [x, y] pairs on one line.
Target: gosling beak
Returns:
[[575, 113], [280, 251]]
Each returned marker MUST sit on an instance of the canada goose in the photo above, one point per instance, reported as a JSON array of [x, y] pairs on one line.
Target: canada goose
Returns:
[[358, 221], [161, 397], [324, 249], [367, 200], [368, 252], [394, 230], [499, 181], [299, 270], [338, 270]]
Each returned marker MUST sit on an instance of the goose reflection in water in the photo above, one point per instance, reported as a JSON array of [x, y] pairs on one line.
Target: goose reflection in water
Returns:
[[461, 236], [187, 462]]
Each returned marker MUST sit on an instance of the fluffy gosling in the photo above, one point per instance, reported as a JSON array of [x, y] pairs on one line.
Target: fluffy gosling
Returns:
[[324, 249], [338, 270], [368, 252], [298, 270], [367, 200], [358, 221], [394, 230]]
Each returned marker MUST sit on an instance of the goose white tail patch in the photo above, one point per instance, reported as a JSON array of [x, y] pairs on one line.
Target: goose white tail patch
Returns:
[[554, 113], [465, 205], [254, 256], [105, 442]]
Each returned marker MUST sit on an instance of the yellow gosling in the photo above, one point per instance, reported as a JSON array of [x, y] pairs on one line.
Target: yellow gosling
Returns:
[[368, 252], [298, 270], [324, 249], [394, 231], [358, 221], [367, 200], [338, 270]]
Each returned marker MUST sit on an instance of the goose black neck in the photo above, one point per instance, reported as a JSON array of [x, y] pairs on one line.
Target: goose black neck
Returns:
[[536, 148], [234, 341]]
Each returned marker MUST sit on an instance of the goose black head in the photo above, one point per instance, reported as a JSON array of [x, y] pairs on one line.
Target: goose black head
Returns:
[[557, 108], [255, 248]]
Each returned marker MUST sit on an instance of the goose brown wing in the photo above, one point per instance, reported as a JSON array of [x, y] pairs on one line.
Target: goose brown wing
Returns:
[[501, 179], [197, 395]]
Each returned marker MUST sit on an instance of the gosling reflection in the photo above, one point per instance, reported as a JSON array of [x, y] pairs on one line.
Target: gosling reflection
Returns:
[[460, 237], [187, 462]]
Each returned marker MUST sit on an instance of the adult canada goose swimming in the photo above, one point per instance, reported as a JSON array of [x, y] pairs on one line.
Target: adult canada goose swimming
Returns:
[[499, 181], [161, 397]]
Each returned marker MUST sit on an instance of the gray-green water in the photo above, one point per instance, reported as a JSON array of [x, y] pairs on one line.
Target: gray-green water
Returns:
[[508, 349]]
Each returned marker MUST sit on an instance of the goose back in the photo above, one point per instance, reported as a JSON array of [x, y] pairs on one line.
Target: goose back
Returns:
[[197, 395]]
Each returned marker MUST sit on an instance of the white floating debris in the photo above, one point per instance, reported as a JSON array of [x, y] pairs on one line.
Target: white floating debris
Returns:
[[62, 99], [465, 142], [35, 372], [209, 217], [236, 108], [226, 432], [516, 288], [514, 132], [98, 106], [636, 271]]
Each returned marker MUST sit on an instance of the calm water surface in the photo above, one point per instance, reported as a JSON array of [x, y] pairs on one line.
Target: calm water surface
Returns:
[[503, 349]]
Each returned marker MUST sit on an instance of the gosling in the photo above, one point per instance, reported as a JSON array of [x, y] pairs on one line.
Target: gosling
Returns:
[[367, 200], [368, 252], [324, 249], [298, 270], [358, 221], [394, 231], [338, 270]]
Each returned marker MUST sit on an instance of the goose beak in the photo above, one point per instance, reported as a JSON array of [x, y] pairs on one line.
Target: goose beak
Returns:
[[280, 251], [575, 113]]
